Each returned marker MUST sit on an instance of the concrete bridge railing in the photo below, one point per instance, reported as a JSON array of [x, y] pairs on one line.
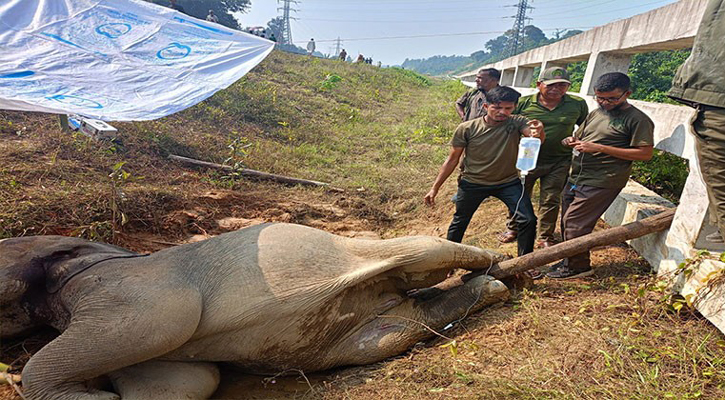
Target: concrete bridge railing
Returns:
[[609, 48]]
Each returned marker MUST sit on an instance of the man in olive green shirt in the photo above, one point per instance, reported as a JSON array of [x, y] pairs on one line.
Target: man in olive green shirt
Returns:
[[491, 147], [606, 143], [559, 112], [700, 83], [470, 104]]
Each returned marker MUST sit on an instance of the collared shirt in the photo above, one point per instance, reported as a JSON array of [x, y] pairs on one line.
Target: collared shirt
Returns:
[[491, 150], [558, 123], [472, 103], [626, 128]]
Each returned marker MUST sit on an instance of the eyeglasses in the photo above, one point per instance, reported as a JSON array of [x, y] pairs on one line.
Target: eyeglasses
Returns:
[[610, 99]]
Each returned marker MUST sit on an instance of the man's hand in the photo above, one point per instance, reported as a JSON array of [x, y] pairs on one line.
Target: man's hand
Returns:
[[569, 141], [430, 198], [536, 127], [586, 147]]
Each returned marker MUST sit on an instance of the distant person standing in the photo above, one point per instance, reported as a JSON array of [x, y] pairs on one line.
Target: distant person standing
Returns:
[[360, 58], [172, 4], [311, 47], [700, 83], [211, 17], [470, 105], [343, 55]]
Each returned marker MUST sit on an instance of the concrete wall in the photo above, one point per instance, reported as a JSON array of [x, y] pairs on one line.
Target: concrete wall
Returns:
[[609, 48]]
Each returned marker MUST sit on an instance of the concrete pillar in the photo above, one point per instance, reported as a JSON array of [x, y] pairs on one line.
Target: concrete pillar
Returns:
[[602, 63], [523, 76], [507, 77]]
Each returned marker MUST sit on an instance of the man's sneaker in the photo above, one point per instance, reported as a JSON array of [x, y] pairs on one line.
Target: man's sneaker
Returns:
[[715, 237], [555, 267], [564, 272]]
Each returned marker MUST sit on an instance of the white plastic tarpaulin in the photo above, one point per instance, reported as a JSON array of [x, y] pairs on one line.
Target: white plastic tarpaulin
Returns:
[[115, 60]]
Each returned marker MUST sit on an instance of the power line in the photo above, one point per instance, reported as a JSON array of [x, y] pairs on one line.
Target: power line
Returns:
[[609, 11], [436, 35]]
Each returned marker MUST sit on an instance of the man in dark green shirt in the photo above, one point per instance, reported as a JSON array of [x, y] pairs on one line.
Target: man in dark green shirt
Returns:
[[559, 112], [700, 83], [470, 104], [604, 146], [491, 147]]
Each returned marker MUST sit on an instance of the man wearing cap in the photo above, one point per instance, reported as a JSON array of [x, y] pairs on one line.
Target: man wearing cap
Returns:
[[470, 104], [559, 112]]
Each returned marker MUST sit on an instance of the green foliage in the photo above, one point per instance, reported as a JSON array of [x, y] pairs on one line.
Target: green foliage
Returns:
[[330, 82], [416, 77], [437, 65], [576, 72], [665, 174], [652, 74], [496, 49], [222, 9]]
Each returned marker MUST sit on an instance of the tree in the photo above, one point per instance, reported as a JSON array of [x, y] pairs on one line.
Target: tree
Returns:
[[570, 33], [652, 74], [276, 26], [534, 37], [222, 8]]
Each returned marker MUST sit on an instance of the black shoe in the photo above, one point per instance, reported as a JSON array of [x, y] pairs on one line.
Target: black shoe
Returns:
[[555, 267], [715, 238], [564, 272]]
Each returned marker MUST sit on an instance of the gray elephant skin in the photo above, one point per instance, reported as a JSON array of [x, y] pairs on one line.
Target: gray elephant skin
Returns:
[[268, 299]]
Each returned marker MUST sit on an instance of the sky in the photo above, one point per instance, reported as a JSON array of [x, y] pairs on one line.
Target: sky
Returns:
[[392, 30]]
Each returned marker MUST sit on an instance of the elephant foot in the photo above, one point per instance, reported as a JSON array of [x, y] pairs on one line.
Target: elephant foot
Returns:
[[166, 380], [416, 319]]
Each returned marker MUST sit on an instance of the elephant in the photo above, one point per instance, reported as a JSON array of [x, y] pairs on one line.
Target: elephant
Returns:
[[269, 299]]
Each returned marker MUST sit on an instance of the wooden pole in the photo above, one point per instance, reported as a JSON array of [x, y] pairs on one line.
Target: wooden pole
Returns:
[[254, 174], [619, 234]]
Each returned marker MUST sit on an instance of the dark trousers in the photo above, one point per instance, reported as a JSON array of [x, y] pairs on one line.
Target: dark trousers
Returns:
[[581, 207], [552, 178], [470, 196], [709, 128]]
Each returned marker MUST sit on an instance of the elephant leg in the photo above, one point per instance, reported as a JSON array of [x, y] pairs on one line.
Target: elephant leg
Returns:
[[110, 331], [399, 328], [163, 380]]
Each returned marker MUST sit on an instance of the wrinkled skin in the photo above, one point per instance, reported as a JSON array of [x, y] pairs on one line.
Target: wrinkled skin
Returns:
[[269, 298]]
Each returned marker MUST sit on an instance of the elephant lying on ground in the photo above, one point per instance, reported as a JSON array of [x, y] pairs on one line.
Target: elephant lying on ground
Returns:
[[269, 298]]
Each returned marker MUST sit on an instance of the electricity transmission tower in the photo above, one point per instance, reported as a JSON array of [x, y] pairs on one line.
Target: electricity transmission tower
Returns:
[[286, 26], [338, 46], [517, 40]]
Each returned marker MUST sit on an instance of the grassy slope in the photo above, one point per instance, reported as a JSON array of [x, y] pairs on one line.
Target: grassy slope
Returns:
[[373, 131], [381, 134]]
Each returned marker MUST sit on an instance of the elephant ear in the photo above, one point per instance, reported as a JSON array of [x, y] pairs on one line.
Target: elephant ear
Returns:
[[13, 275], [48, 262], [69, 258]]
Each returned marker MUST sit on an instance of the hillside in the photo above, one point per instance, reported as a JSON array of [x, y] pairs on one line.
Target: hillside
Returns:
[[379, 134]]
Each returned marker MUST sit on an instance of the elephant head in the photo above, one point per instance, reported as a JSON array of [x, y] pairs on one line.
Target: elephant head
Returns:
[[35, 267]]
